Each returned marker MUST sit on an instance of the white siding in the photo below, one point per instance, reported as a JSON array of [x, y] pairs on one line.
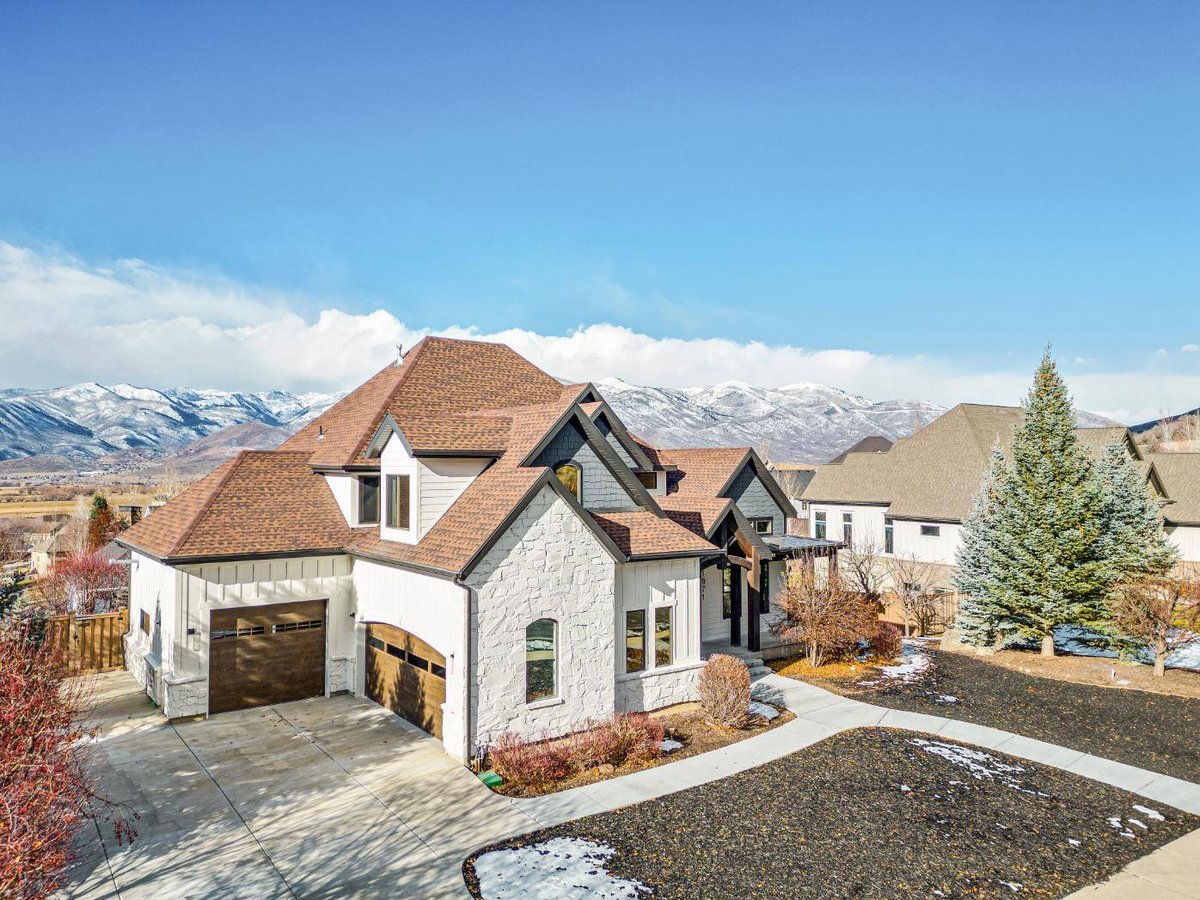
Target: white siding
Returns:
[[442, 482], [153, 587], [935, 549], [651, 585], [1187, 539], [434, 609], [345, 492], [713, 626], [866, 521]]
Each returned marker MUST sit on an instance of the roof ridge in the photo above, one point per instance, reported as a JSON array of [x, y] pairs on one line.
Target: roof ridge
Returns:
[[409, 363], [234, 464]]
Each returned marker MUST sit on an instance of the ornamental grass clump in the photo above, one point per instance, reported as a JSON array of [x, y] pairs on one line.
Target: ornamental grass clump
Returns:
[[725, 691]]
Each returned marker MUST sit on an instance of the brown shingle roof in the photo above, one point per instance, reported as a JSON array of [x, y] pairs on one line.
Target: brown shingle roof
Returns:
[[705, 470], [259, 502], [935, 473], [698, 514], [1180, 477], [643, 534]]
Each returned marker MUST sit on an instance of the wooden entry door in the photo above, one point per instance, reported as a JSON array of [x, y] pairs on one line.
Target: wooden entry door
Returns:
[[406, 675], [259, 655]]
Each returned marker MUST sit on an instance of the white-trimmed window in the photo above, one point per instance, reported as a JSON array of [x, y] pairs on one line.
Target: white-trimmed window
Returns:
[[819, 524], [399, 501], [664, 638], [635, 640], [541, 660], [931, 531], [764, 525]]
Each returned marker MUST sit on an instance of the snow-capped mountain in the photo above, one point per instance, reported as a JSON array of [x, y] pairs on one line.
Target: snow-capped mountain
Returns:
[[91, 420], [798, 423]]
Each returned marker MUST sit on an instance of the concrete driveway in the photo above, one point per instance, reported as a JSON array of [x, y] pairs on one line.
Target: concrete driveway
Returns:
[[319, 798]]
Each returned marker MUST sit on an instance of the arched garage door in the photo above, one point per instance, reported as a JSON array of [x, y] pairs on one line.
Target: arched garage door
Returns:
[[265, 654], [406, 675]]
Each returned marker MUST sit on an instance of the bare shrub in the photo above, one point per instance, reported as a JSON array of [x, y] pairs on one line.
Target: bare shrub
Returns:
[[725, 690], [1162, 613], [885, 642], [865, 569], [824, 614], [912, 582], [532, 765]]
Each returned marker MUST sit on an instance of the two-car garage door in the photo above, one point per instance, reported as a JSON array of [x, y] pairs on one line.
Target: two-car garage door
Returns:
[[406, 675], [266, 654]]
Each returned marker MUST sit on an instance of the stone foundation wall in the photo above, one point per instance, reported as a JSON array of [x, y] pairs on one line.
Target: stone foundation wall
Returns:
[[654, 690]]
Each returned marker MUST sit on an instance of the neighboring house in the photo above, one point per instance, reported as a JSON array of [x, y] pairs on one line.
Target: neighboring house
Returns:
[[911, 501], [464, 540], [46, 547], [874, 443]]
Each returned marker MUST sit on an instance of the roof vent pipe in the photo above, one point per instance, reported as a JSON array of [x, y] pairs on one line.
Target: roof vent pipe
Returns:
[[399, 354]]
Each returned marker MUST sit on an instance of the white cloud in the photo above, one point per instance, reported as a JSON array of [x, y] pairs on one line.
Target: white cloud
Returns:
[[66, 321], [1190, 348]]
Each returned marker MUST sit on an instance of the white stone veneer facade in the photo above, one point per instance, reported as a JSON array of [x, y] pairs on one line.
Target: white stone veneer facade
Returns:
[[547, 564]]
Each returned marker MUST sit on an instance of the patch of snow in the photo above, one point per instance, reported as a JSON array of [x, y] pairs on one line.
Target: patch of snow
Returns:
[[669, 745], [561, 868], [762, 709], [1013, 886], [1074, 842], [1140, 824], [911, 666], [982, 766], [905, 789], [944, 698], [1149, 813], [1079, 641]]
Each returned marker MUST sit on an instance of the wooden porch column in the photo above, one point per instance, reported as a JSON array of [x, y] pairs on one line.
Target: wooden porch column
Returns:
[[753, 590]]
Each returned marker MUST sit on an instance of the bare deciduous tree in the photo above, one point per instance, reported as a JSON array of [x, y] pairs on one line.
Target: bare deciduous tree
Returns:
[[824, 614], [1162, 613], [912, 582], [865, 568]]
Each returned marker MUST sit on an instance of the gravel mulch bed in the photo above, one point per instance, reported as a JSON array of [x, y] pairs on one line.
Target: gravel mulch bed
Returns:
[[1152, 731], [875, 813]]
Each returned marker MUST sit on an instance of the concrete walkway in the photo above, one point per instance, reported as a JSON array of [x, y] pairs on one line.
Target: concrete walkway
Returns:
[[821, 714]]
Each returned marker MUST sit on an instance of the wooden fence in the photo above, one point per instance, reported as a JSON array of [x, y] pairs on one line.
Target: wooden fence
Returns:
[[89, 643], [939, 612]]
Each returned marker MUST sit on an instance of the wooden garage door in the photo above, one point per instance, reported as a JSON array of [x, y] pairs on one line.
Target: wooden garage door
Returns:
[[407, 676], [266, 654]]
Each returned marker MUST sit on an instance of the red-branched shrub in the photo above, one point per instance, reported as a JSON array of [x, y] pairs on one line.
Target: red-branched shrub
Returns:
[[725, 690], [885, 642], [636, 737], [46, 791], [532, 765]]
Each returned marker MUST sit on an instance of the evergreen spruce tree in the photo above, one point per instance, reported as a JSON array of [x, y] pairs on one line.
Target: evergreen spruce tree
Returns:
[[1134, 540], [981, 611], [1049, 551]]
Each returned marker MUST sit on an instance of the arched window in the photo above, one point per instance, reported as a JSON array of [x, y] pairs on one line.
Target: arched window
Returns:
[[571, 476], [541, 654]]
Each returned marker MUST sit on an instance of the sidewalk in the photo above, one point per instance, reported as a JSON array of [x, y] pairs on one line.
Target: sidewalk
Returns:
[[821, 714]]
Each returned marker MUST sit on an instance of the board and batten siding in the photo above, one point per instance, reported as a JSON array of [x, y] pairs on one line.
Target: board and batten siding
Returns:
[[153, 589], [601, 489], [651, 585], [442, 482], [1187, 539]]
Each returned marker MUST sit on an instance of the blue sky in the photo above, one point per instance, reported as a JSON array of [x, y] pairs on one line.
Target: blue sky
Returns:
[[956, 182]]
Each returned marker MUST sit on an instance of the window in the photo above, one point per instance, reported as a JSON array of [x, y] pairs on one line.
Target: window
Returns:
[[540, 652], [848, 529], [376, 643], [635, 640], [398, 501], [764, 587], [368, 500], [145, 619], [889, 541], [931, 530], [649, 480], [281, 627], [727, 592], [819, 524], [764, 526], [664, 651], [572, 478]]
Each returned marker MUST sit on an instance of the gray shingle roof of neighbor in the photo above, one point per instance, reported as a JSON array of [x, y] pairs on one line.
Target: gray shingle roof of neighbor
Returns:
[[935, 473], [872, 443], [1180, 477]]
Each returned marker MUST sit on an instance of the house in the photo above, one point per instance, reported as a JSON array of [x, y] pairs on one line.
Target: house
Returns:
[[464, 540], [910, 501]]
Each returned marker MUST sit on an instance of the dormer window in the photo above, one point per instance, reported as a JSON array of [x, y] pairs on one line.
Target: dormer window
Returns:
[[572, 478], [368, 500], [398, 501]]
